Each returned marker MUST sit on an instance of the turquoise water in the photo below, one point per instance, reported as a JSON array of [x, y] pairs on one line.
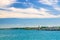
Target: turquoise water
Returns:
[[21, 34]]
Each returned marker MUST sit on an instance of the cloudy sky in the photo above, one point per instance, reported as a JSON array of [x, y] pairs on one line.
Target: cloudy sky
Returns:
[[29, 12]]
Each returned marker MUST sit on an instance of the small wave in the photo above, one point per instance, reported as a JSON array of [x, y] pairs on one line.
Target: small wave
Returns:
[[8, 35]]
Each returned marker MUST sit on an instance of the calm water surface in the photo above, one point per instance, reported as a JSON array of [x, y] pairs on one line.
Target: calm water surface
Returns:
[[20, 34]]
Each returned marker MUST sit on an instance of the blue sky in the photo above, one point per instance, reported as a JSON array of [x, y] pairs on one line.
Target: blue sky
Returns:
[[29, 12]]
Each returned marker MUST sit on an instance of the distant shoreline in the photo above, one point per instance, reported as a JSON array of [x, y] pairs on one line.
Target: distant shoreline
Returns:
[[35, 28]]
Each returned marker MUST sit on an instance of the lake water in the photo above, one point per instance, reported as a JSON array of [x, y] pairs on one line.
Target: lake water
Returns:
[[20, 34]]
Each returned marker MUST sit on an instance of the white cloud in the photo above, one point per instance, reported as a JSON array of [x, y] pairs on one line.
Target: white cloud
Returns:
[[4, 3], [26, 13], [56, 7], [53, 3], [48, 2]]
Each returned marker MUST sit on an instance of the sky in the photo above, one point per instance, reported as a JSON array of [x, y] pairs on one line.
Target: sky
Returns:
[[15, 13]]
